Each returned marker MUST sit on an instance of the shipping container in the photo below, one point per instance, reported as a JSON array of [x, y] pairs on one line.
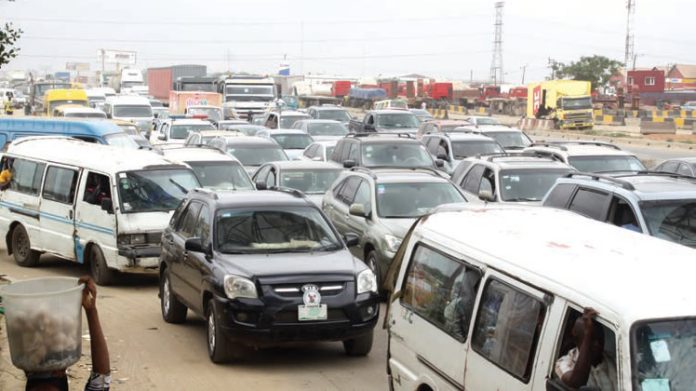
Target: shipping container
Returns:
[[161, 80], [340, 88], [180, 100]]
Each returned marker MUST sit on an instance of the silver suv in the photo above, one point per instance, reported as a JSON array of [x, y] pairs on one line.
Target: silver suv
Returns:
[[518, 179], [452, 148], [587, 156], [380, 206]]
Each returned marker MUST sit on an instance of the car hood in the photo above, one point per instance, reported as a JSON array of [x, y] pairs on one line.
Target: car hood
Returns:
[[143, 222], [266, 266], [399, 227], [293, 154]]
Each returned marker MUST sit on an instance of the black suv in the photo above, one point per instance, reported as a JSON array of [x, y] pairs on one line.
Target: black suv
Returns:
[[263, 268], [375, 150]]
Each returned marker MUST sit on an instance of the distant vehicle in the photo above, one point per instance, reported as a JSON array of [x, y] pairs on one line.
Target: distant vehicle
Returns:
[[682, 166], [284, 119], [322, 129], [225, 124], [136, 109], [258, 119], [391, 104], [252, 152], [386, 121], [176, 131], [156, 103], [132, 131], [691, 105], [246, 128], [179, 101], [422, 115], [198, 137], [587, 156], [382, 150], [37, 92], [78, 112], [330, 112], [248, 94], [128, 78], [59, 97], [310, 177], [567, 102], [440, 126], [211, 113], [452, 148], [512, 139], [293, 141], [213, 168], [95, 96], [319, 151], [508, 179], [482, 121]]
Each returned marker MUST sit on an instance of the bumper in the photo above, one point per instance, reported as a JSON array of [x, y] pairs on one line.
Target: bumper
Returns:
[[574, 124], [139, 259], [262, 323]]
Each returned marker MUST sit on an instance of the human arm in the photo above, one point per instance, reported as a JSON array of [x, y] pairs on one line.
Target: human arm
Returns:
[[578, 375], [99, 350]]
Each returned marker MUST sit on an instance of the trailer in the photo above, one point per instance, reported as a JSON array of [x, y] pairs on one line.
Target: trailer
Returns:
[[365, 97], [161, 80]]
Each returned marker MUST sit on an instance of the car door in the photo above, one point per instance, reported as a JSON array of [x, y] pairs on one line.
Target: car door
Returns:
[[359, 224], [92, 223], [184, 229], [430, 322], [342, 204], [509, 322], [197, 265], [22, 199], [58, 210]]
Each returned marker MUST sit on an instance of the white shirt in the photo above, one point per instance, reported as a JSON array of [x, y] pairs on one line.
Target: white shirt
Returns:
[[602, 376]]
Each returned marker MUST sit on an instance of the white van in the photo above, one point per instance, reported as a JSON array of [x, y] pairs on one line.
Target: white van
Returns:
[[486, 299], [213, 168], [89, 203], [136, 109]]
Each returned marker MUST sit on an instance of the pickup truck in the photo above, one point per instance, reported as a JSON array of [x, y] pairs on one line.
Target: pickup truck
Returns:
[[386, 121]]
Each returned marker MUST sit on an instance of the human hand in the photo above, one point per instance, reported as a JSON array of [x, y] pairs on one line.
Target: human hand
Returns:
[[588, 320], [89, 293]]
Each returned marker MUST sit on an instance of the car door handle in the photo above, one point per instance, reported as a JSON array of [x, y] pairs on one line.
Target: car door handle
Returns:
[[70, 214]]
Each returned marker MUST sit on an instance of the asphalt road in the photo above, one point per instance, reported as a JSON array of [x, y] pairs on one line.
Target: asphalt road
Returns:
[[149, 354]]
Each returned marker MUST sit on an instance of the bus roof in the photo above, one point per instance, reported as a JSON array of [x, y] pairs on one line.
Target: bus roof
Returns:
[[79, 153], [623, 274], [24, 127]]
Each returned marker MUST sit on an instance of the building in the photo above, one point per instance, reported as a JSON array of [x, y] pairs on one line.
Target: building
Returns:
[[646, 80], [681, 77]]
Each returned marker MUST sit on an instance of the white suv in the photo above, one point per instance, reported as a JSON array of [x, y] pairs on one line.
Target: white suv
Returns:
[[587, 156]]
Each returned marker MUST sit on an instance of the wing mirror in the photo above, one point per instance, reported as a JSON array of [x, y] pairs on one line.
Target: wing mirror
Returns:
[[357, 210], [442, 156], [261, 185], [351, 239], [107, 205], [194, 245], [349, 164], [440, 163], [486, 195]]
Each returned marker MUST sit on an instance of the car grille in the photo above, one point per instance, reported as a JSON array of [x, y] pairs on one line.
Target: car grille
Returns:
[[295, 290], [578, 116]]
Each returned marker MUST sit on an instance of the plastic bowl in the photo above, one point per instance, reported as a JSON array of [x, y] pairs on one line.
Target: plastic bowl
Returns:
[[44, 322]]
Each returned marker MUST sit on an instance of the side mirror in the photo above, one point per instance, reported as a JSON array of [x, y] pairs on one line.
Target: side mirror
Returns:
[[370, 128], [156, 115], [442, 156], [193, 245], [108, 115], [357, 210], [440, 163], [161, 136], [107, 205], [261, 185], [486, 195], [351, 239], [349, 164]]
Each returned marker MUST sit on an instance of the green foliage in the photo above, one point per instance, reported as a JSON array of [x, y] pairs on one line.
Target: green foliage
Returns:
[[596, 69], [8, 37]]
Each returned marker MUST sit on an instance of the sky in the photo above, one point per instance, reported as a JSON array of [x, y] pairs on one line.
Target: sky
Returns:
[[444, 39]]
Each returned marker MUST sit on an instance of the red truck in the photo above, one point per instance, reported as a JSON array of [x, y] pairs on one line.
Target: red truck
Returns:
[[340, 88], [161, 80]]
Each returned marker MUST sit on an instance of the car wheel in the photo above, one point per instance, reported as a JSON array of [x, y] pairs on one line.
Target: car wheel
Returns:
[[359, 346], [21, 248], [100, 271], [371, 262], [217, 341], [173, 311]]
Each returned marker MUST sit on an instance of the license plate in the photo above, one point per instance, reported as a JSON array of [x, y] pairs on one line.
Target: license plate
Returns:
[[314, 312]]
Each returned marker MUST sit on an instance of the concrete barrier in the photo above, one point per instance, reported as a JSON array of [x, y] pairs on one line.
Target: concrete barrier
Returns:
[[611, 120], [439, 113], [654, 127], [458, 109], [536, 124]]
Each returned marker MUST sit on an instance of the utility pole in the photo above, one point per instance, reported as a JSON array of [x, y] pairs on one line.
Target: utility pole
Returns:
[[524, 70], [552, 65], [630, 36], [496, 74]]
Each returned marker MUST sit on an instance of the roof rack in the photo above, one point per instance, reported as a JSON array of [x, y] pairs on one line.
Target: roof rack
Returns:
[[549, 145], [207, 192], [172, 147], [377, 134], [294, 192], [364, 170], [428, 170], [597, 177], [581, 142], [657, 173]]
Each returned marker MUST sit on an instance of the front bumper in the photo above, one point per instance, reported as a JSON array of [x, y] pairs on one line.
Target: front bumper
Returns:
[[273, 319], [139, 259]]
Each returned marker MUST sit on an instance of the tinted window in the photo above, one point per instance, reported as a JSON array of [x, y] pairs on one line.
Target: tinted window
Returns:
[[189, 220], [202, 229], [472, 180], [271, 178], [338, 151], [441, 290], [26, 176], [507, 326], [558, 196], [309, 181], [591, 203], [363, 196], [348, 190], [60, 184], [396, 155], [527, 185], [410, 200], [97, 188], [606, 163], [672, 220], [684, 169], [463, 149]]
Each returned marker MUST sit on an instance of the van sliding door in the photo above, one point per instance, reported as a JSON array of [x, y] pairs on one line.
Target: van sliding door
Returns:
[[57, 211]]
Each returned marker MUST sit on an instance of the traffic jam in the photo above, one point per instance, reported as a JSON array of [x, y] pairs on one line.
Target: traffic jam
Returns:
[[311, 230]]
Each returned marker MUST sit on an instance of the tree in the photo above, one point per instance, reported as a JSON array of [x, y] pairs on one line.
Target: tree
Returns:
[[8, 37], [595, 69]]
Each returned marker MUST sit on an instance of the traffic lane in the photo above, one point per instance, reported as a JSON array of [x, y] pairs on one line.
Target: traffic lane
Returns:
[[147, 353]]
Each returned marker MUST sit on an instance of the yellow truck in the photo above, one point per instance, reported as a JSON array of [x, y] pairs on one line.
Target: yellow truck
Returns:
[[567, 102], [60, 97]]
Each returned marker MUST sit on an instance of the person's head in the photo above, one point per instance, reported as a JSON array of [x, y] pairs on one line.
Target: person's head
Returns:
[[597, 342]]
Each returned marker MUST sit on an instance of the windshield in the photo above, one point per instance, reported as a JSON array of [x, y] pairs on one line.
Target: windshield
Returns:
[[249, 90], [135, 111], [256, 156], [301, 229], [397, 121], [673, 220], [180, 132], [292, 141], [42, 88], [85, 115], [222, 175], [464, 149], [131, 84], [662, 355], [214, 114], [527, 185], [121, 140], [410, 200], [154, 190], [336, 115], [286, 121], [396, 155], [206, 87], [327, 129], [56, 103], [512, 139], [606, 163], [576, 103], [487, 121], [309, 181]]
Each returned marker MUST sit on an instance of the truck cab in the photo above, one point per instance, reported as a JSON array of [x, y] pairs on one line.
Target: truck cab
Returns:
[[248, 95], [567, 102]]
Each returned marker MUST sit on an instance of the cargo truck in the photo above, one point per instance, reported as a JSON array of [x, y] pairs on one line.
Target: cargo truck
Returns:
[[247, 95], [180, 100], [567, 102], [163, 79]]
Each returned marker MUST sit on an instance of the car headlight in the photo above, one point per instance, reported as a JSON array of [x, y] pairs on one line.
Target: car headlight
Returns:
[[132, 239], [236, 287], [367, 281], [393, 243]]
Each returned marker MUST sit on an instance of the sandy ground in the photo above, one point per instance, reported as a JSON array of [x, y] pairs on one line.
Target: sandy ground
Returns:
[[149, 354]]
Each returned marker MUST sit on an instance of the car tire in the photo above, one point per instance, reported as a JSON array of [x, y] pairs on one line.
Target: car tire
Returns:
[[217, 340], [21, 248], [360, 346], [173, 311], [97, 266], [371, 261]]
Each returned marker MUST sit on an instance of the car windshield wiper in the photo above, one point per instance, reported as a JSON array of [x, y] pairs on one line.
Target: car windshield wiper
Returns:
[[183, 189]]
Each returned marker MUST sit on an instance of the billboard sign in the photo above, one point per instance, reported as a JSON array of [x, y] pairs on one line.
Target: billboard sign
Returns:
[[116, 56]]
